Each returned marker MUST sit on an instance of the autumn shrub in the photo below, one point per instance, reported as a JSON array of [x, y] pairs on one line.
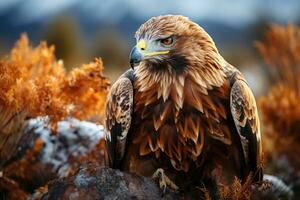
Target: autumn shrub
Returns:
[[281, 106], [32, 79], [34, 83]]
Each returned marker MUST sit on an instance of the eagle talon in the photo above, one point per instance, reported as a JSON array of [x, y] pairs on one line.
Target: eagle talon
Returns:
[[164, 181]]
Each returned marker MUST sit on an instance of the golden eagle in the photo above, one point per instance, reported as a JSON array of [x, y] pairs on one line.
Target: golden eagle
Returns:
[[182, 109]]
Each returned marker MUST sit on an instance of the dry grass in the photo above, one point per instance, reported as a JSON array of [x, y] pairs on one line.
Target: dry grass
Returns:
[[34, 83], [234, 191], [280, 107], [33, 80]]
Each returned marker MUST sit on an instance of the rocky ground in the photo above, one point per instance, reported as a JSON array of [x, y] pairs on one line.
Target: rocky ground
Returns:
[[104, 183], [69, 164], [44, 155]]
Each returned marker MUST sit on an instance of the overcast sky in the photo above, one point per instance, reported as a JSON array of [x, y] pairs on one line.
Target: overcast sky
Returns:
[[235, 12]]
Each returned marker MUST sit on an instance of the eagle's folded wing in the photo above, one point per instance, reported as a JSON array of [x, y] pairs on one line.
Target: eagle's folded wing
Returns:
[[245, 116], [119, 107]]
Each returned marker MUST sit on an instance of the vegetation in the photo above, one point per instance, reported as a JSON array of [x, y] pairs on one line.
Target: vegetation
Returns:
[[280, 108], [33, 80]]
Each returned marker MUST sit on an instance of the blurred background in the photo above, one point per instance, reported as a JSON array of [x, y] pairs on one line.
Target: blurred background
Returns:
[[83, 30]]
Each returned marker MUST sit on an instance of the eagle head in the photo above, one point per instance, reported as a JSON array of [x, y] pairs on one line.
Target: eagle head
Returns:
[[171, 43]]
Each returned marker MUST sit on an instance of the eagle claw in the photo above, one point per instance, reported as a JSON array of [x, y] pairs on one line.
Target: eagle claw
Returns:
[[164, 181]]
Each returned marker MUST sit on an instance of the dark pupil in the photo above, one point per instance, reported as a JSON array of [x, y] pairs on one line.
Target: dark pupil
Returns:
[[167, 41]]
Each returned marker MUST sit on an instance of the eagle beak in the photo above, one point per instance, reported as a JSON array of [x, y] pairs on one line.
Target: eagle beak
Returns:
[[135, 57]]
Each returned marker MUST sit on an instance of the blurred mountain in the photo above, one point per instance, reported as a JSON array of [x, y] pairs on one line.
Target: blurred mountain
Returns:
[[221, 32], [224, 20], [10, 32]]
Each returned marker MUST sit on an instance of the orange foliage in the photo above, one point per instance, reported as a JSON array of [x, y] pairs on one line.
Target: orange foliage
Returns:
[[281, 53], [280, 107], [32, 79]]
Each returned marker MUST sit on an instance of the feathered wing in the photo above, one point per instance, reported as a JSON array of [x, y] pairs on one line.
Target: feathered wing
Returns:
[[119, 108], [245, 116]]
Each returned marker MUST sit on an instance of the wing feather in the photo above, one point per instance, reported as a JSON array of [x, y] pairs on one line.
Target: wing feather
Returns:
[[119, 108], [245, 116]]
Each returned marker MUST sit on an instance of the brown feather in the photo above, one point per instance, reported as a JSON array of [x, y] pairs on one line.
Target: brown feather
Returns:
[[182, 117]]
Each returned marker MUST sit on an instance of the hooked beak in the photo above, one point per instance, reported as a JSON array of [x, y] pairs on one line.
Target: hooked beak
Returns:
[[135, 57]]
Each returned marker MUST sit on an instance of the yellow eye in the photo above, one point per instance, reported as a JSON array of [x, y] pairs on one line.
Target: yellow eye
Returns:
[[167, 41]]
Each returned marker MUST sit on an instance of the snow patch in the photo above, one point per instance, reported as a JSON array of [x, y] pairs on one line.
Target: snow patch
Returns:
[[73, 138]]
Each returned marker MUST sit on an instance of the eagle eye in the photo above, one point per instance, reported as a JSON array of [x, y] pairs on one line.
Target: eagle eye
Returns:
[[167, 41]]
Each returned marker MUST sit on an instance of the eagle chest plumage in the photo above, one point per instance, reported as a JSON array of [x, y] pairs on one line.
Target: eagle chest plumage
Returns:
[[174, 118], [182, 108]]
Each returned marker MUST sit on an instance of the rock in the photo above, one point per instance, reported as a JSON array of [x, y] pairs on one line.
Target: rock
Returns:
[[42, 155], [105, 183], [73, 139], [277, 189]]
